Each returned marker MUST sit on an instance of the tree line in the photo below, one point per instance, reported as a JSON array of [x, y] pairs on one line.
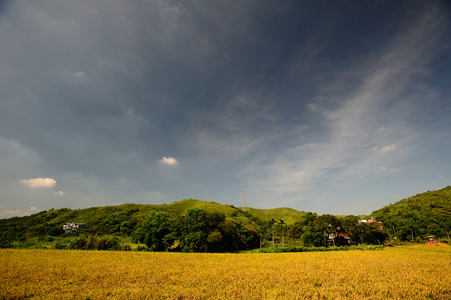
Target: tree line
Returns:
[[197, 231]]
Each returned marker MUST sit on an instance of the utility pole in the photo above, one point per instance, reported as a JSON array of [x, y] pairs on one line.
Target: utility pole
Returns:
[[394, 231], [206, 197], [244, 201]]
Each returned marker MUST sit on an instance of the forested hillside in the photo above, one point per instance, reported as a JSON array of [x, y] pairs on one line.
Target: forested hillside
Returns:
[[194, 225], [125, 220], [418, 217]]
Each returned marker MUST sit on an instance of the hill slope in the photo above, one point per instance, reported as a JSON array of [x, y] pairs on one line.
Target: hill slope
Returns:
[[121, 219], [430, 203], [417, 217]]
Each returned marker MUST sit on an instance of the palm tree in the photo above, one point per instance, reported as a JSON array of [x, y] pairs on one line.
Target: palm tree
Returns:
[[282, 223], [272, 222]]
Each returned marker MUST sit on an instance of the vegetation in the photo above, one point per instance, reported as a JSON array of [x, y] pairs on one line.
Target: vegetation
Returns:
[[200, 226], [393, 273], [415, 218]]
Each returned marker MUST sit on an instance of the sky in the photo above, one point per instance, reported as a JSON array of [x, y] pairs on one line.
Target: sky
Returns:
[[335, 107]]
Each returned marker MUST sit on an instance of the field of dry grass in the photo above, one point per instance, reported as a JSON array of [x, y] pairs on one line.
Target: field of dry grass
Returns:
[[394, 273]]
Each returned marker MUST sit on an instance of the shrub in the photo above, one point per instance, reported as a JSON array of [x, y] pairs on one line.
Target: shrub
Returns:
[[59, 246], [5, 242], [142, 248], [95, 243]]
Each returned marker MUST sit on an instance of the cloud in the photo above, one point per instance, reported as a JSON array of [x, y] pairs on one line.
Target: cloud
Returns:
[[76, 75], [387, 169], [385, 149], [39, 182], [58, 193], [10, 213], [311, 107], [168, 160]]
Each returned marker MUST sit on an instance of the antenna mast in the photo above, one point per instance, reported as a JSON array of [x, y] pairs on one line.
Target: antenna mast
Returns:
[[206, 197], [244, 201]]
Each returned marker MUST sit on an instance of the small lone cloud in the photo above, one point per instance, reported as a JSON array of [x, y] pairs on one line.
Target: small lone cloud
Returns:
[[39, 182], [32, 208], [58, 193], [385, 149], [169, 160], [311, 107], [75, 75], [386, 169]]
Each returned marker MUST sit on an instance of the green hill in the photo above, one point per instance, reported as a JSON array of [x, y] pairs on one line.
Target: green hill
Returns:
[[414, 218], [419, 216], [122, 219], [428, 204]]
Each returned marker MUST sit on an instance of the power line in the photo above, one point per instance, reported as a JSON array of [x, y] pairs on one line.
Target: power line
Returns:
[[366, 148], [394, 173]]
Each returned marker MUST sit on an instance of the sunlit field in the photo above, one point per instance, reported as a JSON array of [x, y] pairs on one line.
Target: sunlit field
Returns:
[[413, 272]]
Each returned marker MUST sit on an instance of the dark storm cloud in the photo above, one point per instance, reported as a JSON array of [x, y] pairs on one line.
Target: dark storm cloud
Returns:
[[98, 92]]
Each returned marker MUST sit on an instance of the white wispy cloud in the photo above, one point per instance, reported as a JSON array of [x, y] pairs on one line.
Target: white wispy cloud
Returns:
[[354, 115], [388, 169], [39, 182], [385, 149], [58, 193], [76, 75], [7, 213], [169, 161]]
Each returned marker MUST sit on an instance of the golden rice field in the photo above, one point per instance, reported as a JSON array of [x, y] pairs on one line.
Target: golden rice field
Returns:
[[413, 272]]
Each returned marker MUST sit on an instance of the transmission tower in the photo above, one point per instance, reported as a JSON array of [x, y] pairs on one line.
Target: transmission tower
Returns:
[[244, 201], [206, 197]]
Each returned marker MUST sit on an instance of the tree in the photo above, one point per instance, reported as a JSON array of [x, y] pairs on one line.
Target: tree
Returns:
[[5, 241], [350, 225], [194, 231], [296, 230], [152, 230], [328, 225], [309, 218], [435, 230], [282, 223], [311, 236], [272, 222]]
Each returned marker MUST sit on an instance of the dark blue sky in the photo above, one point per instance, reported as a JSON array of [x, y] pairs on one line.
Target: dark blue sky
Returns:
[[319, 106]]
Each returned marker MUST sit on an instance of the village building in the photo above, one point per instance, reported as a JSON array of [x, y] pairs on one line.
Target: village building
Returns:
[[72, 227], [372, 220]]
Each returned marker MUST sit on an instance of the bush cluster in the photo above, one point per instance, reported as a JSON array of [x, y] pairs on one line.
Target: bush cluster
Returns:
[[94, 243]]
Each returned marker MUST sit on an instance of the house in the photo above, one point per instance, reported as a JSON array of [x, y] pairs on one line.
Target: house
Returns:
[[372, 220], [72, 227]]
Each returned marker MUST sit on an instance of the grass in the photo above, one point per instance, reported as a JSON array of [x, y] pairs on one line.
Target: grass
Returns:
[[413, 272]]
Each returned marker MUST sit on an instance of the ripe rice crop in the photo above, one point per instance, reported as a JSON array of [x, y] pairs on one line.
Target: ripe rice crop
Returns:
[[394, 273]]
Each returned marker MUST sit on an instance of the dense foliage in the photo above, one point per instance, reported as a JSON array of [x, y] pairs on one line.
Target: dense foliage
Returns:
[[201, 226], [327, 230], [198, 231], [417, 217]]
